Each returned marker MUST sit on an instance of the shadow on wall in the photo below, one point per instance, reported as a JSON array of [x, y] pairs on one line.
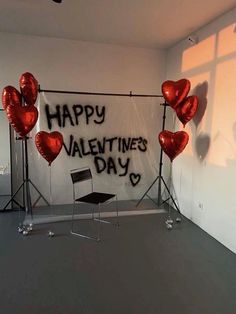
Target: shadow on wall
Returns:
[[202, 140], [201, 92], [202, 145]]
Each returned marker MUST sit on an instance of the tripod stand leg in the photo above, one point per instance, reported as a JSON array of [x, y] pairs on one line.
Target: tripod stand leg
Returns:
[[39, 193], [157, 204], [12, 198], [18, 204], [147, 191], [28, 207], [177, 208]]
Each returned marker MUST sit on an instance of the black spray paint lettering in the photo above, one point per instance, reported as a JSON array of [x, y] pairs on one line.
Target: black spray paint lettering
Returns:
[[111, 165], [94, 146], [63, 115]]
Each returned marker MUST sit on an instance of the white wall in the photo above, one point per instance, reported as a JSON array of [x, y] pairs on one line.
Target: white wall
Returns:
[[84, 66], [74, 65], [5, 183], [204, 175], [4, 144]]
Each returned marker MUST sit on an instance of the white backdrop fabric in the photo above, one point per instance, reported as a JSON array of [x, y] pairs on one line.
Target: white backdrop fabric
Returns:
[[115, 136]]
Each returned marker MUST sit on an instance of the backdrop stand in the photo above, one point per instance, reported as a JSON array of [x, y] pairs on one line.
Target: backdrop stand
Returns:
[[130, 94], [25, 186], [159, 179]]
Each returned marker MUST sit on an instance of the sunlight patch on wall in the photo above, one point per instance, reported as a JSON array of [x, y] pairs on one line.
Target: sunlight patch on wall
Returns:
[[227, 41], [221, 151], [223, 148], [199, 54], [197, 80]]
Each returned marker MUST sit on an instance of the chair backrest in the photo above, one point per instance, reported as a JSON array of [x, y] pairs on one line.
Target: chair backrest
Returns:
[[79, 175]]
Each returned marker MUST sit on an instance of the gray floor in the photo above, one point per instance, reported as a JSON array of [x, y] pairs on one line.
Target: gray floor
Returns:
[[140, 268]]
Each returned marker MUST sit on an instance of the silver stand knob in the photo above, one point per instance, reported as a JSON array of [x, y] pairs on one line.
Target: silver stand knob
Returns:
[[25, 232], [51, 234], [169, 226], [178, 219]]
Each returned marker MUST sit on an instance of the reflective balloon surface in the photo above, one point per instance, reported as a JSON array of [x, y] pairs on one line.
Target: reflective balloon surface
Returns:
[[29, 88], [49, 144], [173, 143], [22, 119], [175, 92], [187, 109], [10, 97]]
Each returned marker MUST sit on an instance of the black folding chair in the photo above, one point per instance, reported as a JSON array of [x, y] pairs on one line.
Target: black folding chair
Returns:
[[97, 199]]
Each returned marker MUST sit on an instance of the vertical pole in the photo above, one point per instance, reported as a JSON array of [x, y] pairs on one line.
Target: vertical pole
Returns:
[[28, 205], [159, 200], [23, 169], [10, 138]]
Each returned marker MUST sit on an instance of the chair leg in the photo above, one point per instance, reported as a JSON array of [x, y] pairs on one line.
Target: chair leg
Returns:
[[93, 214], [85, 236], [100, 222], [80, 234], [103, 221], [117, 214], [95, 219], [72, 218], [99, 217]]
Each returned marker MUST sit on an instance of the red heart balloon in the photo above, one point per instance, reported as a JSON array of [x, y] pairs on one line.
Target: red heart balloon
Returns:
[[187, 109], [173, 143], [49, 144], [22, 119], [10, 97], [29, 88], [175, 92]]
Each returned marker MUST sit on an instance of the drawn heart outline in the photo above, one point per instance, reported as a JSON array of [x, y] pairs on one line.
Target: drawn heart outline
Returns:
[[134, 178]]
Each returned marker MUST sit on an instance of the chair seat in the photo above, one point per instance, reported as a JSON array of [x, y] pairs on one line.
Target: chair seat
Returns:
[[95, 198]]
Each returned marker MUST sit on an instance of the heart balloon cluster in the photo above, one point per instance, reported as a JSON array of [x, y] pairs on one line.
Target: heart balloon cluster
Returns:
[[23, 115], [176, 95], [19, 106]]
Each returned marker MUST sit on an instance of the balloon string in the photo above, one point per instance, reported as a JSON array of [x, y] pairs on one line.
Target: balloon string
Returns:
[[50, 233], [50, 190], [170, 187]]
